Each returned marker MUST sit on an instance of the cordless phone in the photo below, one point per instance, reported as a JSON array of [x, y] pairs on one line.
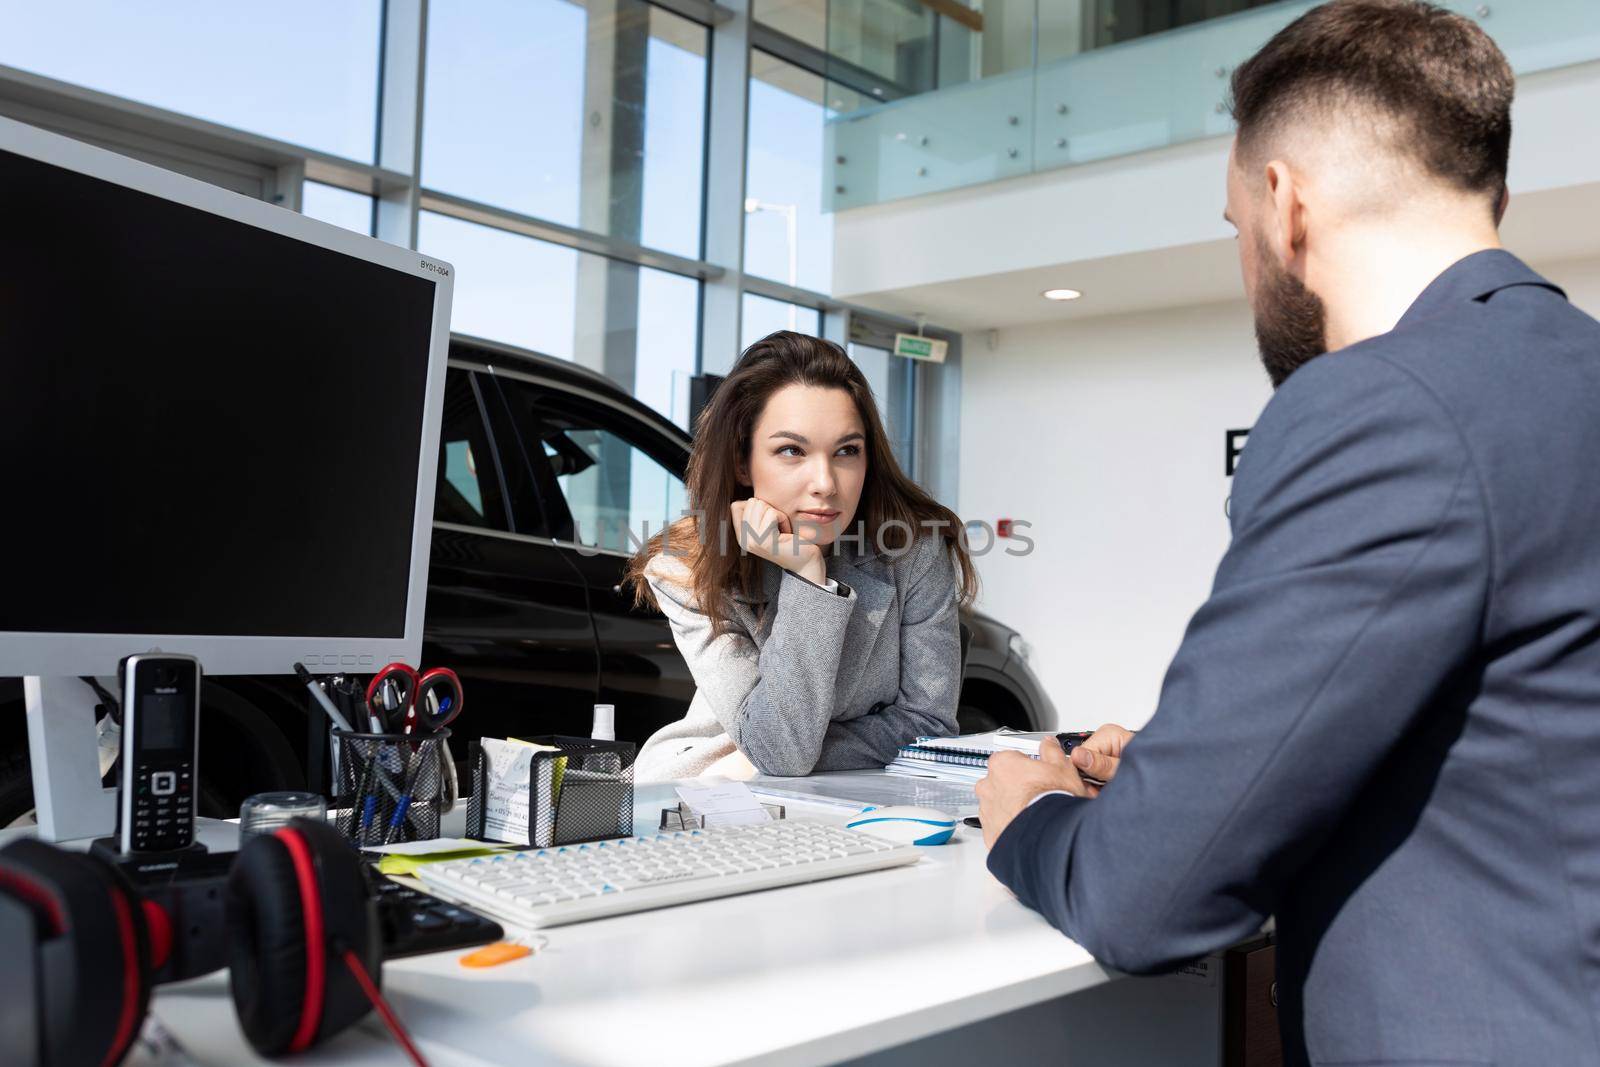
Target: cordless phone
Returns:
[[160, 745]]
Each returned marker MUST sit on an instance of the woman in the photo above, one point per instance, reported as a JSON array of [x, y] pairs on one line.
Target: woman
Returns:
[[813, 589]]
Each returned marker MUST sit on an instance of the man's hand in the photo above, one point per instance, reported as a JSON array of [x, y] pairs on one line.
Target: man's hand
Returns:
[[762, 530], [1100, 755], [1014, 780]]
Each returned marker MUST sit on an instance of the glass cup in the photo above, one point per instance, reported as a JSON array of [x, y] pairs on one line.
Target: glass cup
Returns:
[[266, 812]]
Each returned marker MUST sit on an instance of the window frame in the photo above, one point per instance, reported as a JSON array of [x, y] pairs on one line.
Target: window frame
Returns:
[[623, 422], [497, 511]]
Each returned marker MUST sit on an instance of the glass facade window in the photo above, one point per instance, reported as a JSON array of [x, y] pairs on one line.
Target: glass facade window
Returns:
[[893, 381], [220, 60], [787, 236], [804, 20], [762, 315], [341, 207], [589, 114], [637, 325]]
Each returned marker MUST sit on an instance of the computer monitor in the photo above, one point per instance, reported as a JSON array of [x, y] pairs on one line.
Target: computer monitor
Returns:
[[220, 425]]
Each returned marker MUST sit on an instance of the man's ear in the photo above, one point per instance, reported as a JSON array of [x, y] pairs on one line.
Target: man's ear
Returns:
[[1501, 202], [1286, 228]]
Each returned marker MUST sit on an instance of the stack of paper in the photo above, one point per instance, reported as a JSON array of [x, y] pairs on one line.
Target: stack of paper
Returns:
[[964, 758], [847, 792]]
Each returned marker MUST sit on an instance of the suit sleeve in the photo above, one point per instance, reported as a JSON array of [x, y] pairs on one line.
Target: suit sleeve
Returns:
[[774, 702], [930, 669], [1355, 587]]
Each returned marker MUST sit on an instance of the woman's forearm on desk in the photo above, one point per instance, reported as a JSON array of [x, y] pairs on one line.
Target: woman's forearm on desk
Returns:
[[930, 675], [776, 702], [784, 720]]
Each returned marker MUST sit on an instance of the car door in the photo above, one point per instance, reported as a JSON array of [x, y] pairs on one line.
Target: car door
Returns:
[[608, 479], [505, 609]]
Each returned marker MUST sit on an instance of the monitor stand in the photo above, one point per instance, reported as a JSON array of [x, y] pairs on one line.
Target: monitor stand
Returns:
[[64, 751]]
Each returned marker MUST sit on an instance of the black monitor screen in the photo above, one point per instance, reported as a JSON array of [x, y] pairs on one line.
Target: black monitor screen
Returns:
[[205, 428]]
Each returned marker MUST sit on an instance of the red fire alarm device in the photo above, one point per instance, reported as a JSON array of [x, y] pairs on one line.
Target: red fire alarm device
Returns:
[[1003, 528]]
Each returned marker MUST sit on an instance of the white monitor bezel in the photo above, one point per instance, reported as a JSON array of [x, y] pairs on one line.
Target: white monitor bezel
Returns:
[[51, 654]]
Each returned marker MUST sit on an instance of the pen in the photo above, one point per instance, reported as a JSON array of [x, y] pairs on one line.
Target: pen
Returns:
[[404, 800], [1070, 741], [321, 697]]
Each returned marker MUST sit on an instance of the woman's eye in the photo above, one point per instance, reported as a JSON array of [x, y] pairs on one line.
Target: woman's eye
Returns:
[[788, 450], [850, 450]]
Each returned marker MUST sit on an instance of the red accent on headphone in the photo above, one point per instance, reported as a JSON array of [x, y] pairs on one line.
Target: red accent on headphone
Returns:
[[128, 1023], [316, 946], [37, 895], [159, 927]]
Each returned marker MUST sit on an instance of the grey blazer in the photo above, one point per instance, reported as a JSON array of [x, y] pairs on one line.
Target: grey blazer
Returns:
[[809, 679], [1384, 726]]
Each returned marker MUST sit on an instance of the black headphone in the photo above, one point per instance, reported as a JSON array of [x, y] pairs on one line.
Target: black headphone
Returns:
[[80, 948]]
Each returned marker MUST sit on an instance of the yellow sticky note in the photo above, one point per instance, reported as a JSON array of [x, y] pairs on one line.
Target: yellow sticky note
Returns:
[[392, 864]]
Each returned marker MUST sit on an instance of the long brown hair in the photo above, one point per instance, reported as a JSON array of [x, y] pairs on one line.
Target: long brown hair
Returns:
[[895, 510]]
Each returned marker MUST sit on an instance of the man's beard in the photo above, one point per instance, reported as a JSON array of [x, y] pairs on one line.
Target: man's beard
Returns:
[[1291, 323]]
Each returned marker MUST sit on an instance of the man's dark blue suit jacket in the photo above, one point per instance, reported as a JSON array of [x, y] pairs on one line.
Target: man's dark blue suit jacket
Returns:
[[1383, 727]]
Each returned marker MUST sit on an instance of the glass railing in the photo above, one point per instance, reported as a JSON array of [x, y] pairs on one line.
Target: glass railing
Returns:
[[930, 95]]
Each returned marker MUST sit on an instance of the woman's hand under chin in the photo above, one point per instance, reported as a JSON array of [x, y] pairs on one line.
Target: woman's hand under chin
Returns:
[[762, 530]]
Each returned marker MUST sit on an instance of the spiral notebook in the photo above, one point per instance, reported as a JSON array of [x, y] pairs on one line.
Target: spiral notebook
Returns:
[[964, 758]]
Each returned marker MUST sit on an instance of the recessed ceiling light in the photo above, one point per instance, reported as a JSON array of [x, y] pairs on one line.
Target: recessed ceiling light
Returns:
[[1061, 294]]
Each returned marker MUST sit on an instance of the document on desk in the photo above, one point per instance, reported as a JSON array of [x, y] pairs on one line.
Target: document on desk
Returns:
[[850, 791], [723, 804]]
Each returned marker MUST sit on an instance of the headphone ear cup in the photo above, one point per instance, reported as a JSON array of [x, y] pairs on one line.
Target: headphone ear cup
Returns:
[[266, 945], [88, 957], [290, 992]]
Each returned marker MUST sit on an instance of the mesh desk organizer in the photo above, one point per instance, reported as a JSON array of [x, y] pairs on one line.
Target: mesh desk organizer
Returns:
[[581, 790], [388, 787]]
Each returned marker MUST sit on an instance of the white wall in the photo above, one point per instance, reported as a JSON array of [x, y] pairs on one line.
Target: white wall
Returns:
[[1108, 434]]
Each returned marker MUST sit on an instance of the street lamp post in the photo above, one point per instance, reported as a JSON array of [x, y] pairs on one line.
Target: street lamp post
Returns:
[[791, 217]]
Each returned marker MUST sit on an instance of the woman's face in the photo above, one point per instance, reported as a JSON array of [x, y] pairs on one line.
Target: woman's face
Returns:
[[808, 459]]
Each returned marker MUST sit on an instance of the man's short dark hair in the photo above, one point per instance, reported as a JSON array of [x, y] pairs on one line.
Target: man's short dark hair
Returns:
[[1436, 76]]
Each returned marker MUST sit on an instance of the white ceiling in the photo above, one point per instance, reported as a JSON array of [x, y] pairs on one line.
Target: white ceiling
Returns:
[[1548, 226]]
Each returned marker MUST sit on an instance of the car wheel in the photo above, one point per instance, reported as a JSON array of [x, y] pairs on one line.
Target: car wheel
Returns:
[[975, 720]]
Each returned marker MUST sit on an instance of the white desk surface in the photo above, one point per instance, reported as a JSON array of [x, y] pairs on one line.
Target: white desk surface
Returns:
[[804, 975]]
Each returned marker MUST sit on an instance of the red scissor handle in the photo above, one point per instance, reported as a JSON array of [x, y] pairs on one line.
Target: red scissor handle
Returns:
[[392, 689], [439, 697]]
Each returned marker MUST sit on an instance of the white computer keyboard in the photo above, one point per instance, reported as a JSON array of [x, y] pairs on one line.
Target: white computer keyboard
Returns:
[[552, 886]]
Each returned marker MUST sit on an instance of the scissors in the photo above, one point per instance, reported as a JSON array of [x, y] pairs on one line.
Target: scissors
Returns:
[[406, 702]]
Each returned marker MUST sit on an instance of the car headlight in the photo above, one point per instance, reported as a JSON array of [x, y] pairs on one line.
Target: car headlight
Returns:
[[1020, 648]]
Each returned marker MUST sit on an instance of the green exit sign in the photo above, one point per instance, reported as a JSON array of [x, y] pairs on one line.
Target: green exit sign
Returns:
[[915, 346]]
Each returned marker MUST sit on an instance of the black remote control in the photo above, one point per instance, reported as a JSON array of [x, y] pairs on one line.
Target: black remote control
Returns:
[[160, 746]]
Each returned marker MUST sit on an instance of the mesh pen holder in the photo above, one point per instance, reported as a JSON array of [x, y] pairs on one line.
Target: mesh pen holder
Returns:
[[580, 790], [388, 787]]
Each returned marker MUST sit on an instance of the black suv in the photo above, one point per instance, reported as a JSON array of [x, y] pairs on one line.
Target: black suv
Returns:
[[537, 454]]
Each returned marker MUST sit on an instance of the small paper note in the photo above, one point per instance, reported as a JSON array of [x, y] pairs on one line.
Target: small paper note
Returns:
[[723, 804], [505, 794], [423, 848]]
